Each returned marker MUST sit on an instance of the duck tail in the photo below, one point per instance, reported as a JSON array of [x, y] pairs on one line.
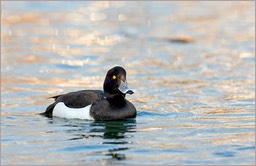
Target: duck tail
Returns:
[[49, 110]]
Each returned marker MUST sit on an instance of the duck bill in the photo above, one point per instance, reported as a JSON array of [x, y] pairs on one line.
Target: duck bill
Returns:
[[123, 87]]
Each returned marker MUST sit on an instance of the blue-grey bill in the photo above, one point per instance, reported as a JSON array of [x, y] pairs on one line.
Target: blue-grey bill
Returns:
[[123, 87]]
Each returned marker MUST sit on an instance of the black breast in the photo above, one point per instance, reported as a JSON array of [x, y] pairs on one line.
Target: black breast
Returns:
[[109, 110]]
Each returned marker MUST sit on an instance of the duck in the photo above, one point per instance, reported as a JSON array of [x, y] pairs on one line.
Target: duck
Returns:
[[106, 104]]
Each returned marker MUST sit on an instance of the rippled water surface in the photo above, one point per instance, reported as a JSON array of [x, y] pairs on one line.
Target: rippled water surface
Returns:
[[191, 65]]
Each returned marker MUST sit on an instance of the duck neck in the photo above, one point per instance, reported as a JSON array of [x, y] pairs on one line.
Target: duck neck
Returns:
[[115, 97]]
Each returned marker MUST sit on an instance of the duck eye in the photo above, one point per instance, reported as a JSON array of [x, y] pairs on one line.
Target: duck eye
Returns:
[[113, 77]]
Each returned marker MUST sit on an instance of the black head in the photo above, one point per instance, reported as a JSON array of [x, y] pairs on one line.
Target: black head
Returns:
[[115, 84]]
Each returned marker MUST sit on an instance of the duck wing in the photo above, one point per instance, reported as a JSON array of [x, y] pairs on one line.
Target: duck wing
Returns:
[[76, 99]]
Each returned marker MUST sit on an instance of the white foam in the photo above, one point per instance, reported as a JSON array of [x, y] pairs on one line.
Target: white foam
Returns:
[[61, 110]]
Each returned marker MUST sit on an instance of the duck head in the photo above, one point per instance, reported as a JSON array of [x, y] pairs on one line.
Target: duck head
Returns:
[[115, 84]]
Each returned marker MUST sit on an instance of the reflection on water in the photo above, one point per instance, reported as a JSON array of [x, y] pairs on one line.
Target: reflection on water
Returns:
[[108, 130], [191, 65], [112, 133], [117, 130]]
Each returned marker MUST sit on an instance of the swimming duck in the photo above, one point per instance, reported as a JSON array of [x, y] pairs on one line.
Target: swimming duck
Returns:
[[109, 104]]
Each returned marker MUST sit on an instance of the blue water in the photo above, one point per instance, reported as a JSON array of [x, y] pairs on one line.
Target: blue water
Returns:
[[190, 64]]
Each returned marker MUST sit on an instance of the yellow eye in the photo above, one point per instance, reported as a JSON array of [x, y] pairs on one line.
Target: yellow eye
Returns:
[[114, 77]]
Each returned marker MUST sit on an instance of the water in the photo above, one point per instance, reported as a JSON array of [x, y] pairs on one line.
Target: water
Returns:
[[191, 65]]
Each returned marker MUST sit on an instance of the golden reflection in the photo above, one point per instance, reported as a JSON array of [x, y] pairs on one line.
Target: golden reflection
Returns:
[[6, 79], [230, 120], [74, 33], [247, 55], [149, 129], [154, 61], [121, 17], [28, 59], [97, 16], [92, 39], [74, 82], [141, 100], [82, 82], [168, 145], [229, 138], [74, 62], [97, 5], [24, 18], [197, 19], [222, 110]]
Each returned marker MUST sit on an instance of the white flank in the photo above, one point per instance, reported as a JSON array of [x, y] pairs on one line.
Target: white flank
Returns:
[[61, 110]]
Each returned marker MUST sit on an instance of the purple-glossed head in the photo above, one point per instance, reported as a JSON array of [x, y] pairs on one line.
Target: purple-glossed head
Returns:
[[115, 83]]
